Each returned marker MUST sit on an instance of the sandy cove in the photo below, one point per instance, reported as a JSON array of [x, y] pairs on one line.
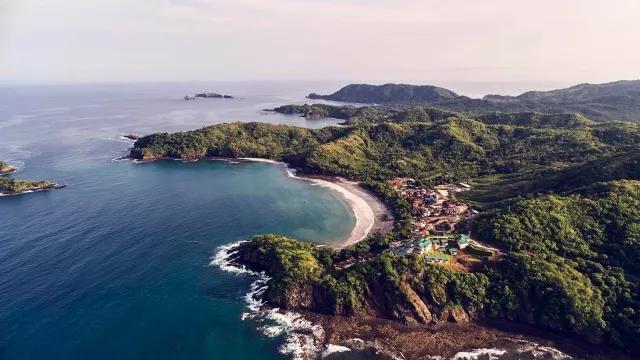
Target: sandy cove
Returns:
[[371, 214]]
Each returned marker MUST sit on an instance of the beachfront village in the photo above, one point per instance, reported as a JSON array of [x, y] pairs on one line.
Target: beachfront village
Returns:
[[434, 233]]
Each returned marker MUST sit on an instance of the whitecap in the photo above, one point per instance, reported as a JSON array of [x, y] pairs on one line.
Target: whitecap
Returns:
[[302, 339], [331, 349]]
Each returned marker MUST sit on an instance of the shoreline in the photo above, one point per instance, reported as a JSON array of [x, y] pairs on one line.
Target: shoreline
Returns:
[[52, 186], [370, 213]]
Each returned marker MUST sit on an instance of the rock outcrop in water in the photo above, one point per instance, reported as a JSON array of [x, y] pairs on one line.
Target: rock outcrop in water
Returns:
[[6, 168]]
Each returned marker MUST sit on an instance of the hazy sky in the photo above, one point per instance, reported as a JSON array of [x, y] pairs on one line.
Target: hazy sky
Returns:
[[361, 40]]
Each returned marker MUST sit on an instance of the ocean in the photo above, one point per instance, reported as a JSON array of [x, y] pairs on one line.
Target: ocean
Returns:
[[121, 264], [117, 264]]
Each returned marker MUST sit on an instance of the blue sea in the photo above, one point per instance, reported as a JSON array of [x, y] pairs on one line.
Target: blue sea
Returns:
[[117, 264]]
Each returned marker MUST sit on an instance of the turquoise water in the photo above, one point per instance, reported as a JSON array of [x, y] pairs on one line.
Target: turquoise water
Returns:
[[116, 265]]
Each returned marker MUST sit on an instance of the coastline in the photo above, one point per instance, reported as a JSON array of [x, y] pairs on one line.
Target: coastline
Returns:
[[370, 213]]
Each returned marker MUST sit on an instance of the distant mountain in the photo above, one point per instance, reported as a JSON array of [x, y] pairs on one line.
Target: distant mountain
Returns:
[[389, 93], [582, 93], [618, 100]]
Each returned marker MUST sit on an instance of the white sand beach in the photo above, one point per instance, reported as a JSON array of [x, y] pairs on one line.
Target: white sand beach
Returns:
[[371, 214]]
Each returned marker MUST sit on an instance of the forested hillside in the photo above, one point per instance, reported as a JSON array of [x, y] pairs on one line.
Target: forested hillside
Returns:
[[618, 100], [454, 148]]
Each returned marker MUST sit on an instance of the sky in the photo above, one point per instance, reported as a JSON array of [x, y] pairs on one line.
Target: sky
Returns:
[[413, 41]]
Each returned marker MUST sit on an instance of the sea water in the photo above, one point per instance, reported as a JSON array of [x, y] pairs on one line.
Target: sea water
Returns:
[[117, 264]]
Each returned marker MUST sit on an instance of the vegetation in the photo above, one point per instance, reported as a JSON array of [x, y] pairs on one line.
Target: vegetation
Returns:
[[619, 100], [572, 264], [389, 93], [13, 186], [303, 276], [367, 115], [456, 148], [571, 267]]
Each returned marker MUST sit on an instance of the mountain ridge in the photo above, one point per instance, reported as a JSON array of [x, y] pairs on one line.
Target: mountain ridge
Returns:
[[618, 100]]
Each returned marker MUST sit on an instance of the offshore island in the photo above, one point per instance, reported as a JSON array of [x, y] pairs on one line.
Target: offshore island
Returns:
[[5, 168], [10, 187], [507, 218]]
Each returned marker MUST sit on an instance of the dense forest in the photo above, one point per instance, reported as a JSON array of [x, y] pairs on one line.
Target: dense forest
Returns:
[[618, 100], [456, 148], [571, 267], [560, 195]]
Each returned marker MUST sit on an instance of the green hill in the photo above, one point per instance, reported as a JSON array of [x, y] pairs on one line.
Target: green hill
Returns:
[[389, 93], [613, 101]]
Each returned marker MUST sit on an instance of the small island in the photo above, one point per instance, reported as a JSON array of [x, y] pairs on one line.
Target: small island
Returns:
[[10, 187], [208, 96], [5, 168]]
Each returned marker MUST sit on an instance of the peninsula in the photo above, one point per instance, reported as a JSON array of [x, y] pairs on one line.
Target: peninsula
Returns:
[[519, 218]]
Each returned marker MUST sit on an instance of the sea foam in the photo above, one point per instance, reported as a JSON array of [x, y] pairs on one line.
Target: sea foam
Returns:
[[491, 354], [302, 339]]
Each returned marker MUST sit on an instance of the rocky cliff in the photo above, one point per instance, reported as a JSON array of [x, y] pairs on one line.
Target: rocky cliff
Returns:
[[304, 277]]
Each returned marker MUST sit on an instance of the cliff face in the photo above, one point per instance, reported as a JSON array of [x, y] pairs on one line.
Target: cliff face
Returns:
[[299, 281]]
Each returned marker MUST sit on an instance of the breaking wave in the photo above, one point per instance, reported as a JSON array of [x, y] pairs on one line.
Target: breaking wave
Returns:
[[302, 339], [517, 349]]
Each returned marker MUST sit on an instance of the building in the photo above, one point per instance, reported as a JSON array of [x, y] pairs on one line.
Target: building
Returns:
[[462, 240], [403, 250], [425, 245]]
